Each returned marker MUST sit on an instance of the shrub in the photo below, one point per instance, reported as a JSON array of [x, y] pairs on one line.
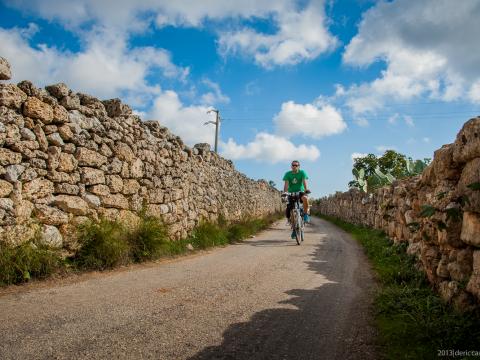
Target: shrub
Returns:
[[149, 239], [26, 261], [104, 245], [207, 235]]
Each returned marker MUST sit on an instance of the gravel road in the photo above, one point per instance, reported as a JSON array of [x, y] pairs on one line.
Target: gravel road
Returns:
[[265, 298]]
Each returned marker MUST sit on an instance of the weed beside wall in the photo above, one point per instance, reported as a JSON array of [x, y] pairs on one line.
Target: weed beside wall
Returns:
[[107, 244], [436, 215]]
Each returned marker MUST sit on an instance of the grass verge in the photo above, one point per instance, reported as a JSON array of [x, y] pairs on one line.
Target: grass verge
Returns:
[[29, 260], [413, 321], [107, 244]]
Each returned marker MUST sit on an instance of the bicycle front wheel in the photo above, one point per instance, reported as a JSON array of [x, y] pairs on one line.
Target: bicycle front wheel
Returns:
[[298, 227]]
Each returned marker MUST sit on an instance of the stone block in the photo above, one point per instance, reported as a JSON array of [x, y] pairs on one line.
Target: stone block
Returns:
[[87, 157], [11, 96], [91, 176], [5, 71], [50, 215], [71, 204], [117, 201], [36, 109], [471, 228]]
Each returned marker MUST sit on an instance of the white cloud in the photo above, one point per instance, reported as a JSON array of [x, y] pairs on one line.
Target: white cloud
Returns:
[[252, 88], [409, 120], [308, 120], [474, 92], [302, 35], [105, 68], [362, 122], [302, 32], [185, 121], [215, 96], [357, 155], [269, 148], [393, 119], [426, 140], [426, 46]]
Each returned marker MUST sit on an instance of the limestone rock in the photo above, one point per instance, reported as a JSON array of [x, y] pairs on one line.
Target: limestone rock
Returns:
[[27, 134], [131, 186], [124, 152], [37, 109], [13, 172], [117, 201], [91, 176], [59, 90], [92, 200], [115, 108], [70, 102], [11, 96], [60, 114], [89, 158], [8, 157], [5, 72], [115, 183], [65, 188], [473, 285], [51, 236], [50, 215], [55, 139], [5, 188], [38, 188], [471, 228], [136, 170], [67, 163], [72, 204], [467, 144]]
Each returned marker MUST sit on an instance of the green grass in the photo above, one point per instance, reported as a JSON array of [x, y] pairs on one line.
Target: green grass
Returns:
[[29, 260], [107, 244], [413, 321], [104, 244]]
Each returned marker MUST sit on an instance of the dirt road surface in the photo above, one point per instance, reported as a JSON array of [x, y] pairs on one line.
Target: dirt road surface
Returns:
[[265, 298]]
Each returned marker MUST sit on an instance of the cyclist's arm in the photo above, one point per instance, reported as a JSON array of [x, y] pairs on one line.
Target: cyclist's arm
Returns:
[[305, 184], [285, 187]]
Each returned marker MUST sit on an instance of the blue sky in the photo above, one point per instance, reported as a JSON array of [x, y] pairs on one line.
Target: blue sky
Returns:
[[318, 81]]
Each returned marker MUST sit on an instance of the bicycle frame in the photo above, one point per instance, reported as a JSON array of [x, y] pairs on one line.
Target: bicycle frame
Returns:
[[296, 216]]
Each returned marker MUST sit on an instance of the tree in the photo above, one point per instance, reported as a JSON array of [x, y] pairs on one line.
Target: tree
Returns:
[[371, 172], [272, 183]]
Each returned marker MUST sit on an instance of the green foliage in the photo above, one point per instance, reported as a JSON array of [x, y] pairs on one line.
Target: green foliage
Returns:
[[413, 321], [107, 244], [27, 261], [371, 172], [148, 240], [104, 245], [272, 183], [427, 211], [474, 186]]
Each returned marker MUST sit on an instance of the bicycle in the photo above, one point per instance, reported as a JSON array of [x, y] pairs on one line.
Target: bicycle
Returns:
[[296, 215]]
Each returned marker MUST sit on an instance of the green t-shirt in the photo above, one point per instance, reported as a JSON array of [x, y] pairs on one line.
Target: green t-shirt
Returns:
[[295, 180]]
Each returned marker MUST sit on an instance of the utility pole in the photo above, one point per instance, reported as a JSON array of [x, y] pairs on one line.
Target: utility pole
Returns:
[[217, 125]]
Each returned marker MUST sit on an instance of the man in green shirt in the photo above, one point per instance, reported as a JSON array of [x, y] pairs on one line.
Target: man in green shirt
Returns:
[[296, 181]]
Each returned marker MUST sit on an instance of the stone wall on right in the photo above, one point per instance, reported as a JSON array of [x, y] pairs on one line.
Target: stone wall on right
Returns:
[[437, 214]]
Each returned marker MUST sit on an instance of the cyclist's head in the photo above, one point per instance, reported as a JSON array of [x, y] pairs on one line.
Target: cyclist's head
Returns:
[[295, 165]]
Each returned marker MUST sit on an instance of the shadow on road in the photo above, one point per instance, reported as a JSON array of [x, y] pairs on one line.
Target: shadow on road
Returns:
[[325, 324]]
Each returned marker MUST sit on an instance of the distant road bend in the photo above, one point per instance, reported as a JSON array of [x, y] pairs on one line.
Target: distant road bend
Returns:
[[265, 298]]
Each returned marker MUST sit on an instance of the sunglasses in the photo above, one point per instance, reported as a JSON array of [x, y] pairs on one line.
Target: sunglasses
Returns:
[[295, 165]]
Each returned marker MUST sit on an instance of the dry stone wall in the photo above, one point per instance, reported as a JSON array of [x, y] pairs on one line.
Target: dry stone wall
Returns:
[[437, 214], [66, 157]]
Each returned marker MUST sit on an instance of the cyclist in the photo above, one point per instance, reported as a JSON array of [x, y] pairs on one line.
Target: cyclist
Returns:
[[296, 181]]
